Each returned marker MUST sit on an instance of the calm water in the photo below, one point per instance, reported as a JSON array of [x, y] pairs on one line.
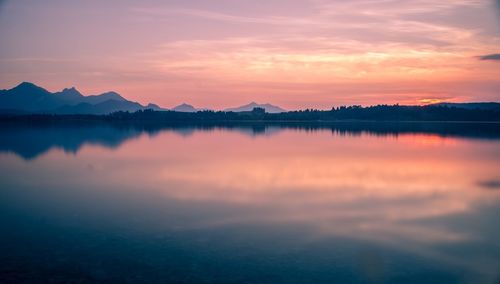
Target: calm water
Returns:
[[87, 204]]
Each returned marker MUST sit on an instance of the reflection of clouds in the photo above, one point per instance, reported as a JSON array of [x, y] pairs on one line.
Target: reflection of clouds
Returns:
[[397, 191], [415, 193], [307, 192], [376, 187]]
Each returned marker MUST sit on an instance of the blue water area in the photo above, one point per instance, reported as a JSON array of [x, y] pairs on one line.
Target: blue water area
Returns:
[[267, 204]]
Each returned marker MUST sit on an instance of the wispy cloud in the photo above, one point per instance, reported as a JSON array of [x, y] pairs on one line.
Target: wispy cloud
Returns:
[[359, 51], [495, 56], [393, 8], [217, 16], [361, 20]]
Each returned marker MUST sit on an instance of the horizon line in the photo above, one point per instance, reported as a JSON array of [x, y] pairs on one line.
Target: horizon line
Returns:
[[423, 102]]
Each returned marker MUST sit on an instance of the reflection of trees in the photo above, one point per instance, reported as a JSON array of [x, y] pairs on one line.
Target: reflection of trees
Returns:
[[33, 136]]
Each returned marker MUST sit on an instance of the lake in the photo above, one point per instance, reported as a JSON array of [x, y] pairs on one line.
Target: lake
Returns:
[[377, 203]]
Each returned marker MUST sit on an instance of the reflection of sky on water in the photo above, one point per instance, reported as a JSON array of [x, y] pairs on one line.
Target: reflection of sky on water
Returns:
[[420, 194]]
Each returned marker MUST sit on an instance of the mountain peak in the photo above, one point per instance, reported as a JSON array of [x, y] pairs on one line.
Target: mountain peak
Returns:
[[70, 91], [30, 89], [111, 95], [27, 86], [30, 98], [249, 107], [185, 108]]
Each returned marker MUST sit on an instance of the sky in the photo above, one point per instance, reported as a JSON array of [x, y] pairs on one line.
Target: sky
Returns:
[[293, 53]]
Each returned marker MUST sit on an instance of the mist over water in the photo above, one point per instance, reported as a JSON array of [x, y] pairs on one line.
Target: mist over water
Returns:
[[249, 204]]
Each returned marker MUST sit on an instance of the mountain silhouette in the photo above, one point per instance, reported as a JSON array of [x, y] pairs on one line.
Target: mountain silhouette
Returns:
[[30, 98], [269, 108], [105, 97], [185, 108], [70, 95], [154, 107]]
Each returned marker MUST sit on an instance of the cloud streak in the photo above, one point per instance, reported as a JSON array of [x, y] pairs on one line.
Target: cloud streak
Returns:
[[224, 53], [495, 56]]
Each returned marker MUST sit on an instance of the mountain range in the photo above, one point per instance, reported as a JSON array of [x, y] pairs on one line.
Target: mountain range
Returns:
[[29, 98]]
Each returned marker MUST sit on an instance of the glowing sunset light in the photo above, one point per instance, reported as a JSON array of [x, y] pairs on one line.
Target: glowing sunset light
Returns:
[[294, 53], [430, 101], [250, 141], [314, 184]]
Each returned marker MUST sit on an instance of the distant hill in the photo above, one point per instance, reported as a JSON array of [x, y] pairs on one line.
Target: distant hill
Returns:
[[269, 108], [485, 105], [185, 108], [155, 107], [29, 98]]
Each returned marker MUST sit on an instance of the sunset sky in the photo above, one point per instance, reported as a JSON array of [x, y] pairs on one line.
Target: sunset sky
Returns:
[[293, 53]]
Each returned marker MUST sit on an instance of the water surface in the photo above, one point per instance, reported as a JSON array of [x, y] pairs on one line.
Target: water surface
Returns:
[[267, 204]]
